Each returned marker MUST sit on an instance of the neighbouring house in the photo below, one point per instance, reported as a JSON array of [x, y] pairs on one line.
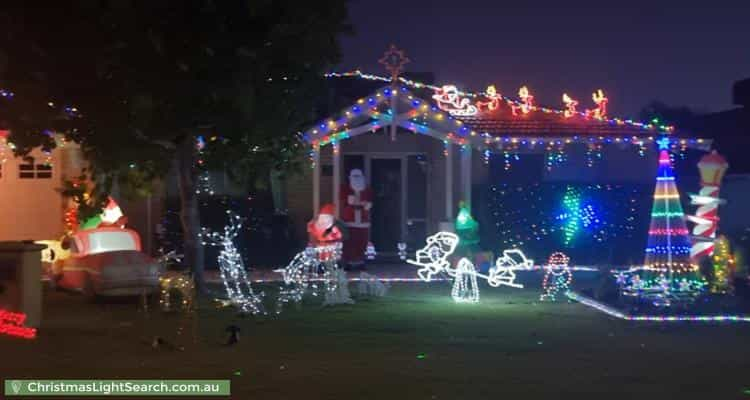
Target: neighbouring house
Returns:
[[730, 130], [31, 205], [425, 148]]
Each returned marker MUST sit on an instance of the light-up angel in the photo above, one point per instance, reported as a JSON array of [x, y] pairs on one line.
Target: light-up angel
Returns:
[[433, 257], [526, 104]]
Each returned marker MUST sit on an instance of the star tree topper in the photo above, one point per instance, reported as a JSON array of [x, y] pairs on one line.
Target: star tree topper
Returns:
[[394, 60]]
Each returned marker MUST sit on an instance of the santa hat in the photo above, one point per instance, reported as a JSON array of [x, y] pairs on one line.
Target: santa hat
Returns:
[[327, 209]]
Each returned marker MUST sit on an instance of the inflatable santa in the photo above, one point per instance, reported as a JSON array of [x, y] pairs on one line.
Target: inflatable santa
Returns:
[[356, 202], [323, 230]]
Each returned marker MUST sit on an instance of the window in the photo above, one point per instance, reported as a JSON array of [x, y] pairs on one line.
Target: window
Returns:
[[30, 170]]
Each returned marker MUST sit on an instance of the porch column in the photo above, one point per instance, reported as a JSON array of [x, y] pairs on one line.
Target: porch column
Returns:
[[316, 179], [466, 174], [449, 181], [336, 176]]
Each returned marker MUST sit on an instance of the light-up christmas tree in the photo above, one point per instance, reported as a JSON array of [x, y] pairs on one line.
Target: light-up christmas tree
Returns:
[[668, 272]]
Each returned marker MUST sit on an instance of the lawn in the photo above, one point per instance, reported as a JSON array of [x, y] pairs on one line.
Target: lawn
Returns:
[[413, 344]]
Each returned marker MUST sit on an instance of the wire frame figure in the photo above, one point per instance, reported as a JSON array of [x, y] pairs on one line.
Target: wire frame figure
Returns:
[[232, 269], [306, 271]]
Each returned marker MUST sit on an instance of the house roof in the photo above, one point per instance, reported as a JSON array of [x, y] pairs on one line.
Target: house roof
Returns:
[[424, 111]]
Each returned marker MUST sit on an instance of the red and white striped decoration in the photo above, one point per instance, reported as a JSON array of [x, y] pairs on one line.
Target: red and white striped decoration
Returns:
[[706, 218], [706, 221]]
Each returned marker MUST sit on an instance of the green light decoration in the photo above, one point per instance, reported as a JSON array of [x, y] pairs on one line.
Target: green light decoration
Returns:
[[575, 215], [467, 229], [571, 205], [723, 267]]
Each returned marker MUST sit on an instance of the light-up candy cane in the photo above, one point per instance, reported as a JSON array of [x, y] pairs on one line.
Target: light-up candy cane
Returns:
[[232, 268], [712, 168]]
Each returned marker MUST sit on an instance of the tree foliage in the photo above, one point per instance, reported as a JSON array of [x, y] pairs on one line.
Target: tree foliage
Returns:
[[134, 82]]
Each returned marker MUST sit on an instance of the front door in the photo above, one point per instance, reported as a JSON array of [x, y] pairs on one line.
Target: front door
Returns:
[[387, 207]]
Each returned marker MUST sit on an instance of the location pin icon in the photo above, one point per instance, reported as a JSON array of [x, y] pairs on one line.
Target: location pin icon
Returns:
[[16, 385]]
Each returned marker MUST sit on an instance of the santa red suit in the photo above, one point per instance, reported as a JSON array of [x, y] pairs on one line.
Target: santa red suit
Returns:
[[322, 231], [356, 202]]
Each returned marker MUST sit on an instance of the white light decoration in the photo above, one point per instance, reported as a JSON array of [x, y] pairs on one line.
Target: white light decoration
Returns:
[[401, 246], [232, 269], [370, 285], [340, 295], [502, 273], [433, 257], [176, 282], [465, 288], [203, 186], [370, 252], [449, 99], [557, 277], [308, 268]]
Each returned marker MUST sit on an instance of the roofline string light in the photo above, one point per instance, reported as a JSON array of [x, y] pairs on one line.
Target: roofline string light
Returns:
[[598, 112]]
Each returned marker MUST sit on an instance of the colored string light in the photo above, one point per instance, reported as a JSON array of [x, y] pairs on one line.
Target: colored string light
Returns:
[[11, 324], [557, 277], [598, 98], [654, 318]]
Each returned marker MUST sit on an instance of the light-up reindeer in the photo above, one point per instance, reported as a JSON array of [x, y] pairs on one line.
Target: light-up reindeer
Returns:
[[600, 111], [493, 99], [526, 104], [570, 106], [306, 269], [232, 268]]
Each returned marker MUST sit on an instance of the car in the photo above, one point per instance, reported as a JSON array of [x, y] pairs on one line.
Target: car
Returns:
[[107, 262]]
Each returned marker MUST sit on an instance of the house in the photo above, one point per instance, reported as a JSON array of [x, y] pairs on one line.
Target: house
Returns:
[[425, 148], [730, 130], [31, 207]]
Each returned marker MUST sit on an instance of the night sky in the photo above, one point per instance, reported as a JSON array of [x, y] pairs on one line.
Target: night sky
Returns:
[[637, 52]]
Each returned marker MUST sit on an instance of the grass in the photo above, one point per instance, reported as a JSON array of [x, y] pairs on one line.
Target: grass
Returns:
[[414, 344]]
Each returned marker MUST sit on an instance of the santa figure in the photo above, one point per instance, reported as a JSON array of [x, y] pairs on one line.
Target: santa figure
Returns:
[[323, 230], [356, 202]]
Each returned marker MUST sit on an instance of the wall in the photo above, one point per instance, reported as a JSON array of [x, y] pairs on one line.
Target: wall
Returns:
[[32, 208]]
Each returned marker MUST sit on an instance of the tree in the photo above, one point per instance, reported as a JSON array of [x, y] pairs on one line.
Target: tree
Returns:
[[146, 78], [669, 272], [660, 113]]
